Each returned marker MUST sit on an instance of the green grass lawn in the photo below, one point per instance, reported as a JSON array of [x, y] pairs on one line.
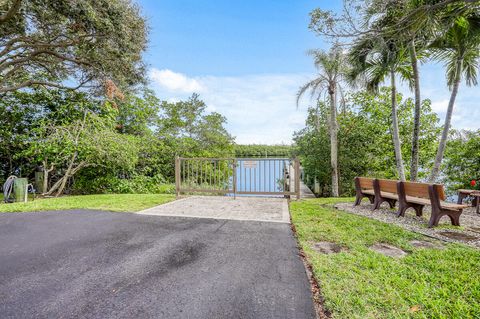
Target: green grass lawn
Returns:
[[360, 283], [111, 202]]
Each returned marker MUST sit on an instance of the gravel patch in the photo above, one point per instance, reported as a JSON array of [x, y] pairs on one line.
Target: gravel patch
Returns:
[[468, 232]]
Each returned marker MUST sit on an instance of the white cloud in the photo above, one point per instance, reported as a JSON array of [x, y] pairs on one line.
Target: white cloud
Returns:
[[258, 108], [466, 113], [261, 108], [174, 81], [440, 106]]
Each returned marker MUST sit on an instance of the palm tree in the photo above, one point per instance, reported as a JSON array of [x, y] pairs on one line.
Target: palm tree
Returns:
[[417, 112], [459, 47], [414, 39], [375, 60], [332, 69]]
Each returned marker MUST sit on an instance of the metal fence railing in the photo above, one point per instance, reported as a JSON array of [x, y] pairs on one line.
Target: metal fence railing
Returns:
[[238, 176]]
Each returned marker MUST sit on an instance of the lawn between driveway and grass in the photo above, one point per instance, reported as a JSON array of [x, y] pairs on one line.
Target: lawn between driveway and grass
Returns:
[[357, 282], [109, 202]]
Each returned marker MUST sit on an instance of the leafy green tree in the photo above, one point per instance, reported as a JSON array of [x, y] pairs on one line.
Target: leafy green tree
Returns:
[[23, 112], [87, 142], [184, 129], [462, 159], [192, 130], [332, 68], [86, 43], [312, 145], [459, 47], [137, 114], [415, 41], [17, 118]]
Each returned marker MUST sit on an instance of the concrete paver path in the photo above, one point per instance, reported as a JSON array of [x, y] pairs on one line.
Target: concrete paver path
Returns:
[[224, 207]]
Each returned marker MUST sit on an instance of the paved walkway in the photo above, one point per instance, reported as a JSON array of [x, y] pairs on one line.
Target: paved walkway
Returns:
[[223, 207], [306, 192], [92, 264]]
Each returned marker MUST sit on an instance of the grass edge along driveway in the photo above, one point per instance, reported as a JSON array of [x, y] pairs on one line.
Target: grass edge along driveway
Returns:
[[110, 202], [360, 283]]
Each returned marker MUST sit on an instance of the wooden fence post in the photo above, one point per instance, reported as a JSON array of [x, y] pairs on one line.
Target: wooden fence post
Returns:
[[177, 176], [235, 163], [297, 177]]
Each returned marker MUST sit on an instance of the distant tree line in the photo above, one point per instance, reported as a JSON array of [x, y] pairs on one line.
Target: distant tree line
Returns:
[[263, 150]]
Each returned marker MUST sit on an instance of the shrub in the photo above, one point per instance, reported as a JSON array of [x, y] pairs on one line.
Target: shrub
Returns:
[[138, 184]]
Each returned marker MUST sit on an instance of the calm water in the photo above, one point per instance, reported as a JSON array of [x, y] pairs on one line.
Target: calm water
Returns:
[[262, 175]]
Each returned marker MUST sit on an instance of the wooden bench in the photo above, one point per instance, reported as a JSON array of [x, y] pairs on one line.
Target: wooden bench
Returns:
[[385, 191], [463, 193], [364, 187], [417, 195]]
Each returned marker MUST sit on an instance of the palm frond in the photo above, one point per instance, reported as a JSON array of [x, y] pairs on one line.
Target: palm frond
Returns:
[[470, 67], [312, 85]]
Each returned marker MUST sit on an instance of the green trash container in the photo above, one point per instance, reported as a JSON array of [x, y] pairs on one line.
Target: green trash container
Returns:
[[20, 189]]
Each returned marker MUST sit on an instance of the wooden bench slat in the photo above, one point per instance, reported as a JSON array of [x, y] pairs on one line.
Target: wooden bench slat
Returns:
[[467, 191], [389, 195], [453, 205], [416, 189], [366, 183], [388, 185], [417, 200]]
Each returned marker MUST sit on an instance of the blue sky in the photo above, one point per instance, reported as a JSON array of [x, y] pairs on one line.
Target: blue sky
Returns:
[[247, 60]]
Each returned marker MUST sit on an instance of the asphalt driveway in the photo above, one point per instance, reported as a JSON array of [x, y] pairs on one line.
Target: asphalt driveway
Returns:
[[92, 264]]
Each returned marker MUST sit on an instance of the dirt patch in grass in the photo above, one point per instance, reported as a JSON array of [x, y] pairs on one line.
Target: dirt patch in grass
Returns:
[[458, 236], [388, 250], [326, 247]]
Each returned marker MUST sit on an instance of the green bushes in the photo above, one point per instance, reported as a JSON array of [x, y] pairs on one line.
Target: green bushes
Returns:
[[462, 160], [86, 144], [137, 184]]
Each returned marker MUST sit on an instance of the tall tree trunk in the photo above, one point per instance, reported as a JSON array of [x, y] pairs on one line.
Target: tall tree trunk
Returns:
[[46, 174], [45, 180], [416, 122], [395, 132], [10, 163], [446, 126], [68, 174], [333, 127]]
